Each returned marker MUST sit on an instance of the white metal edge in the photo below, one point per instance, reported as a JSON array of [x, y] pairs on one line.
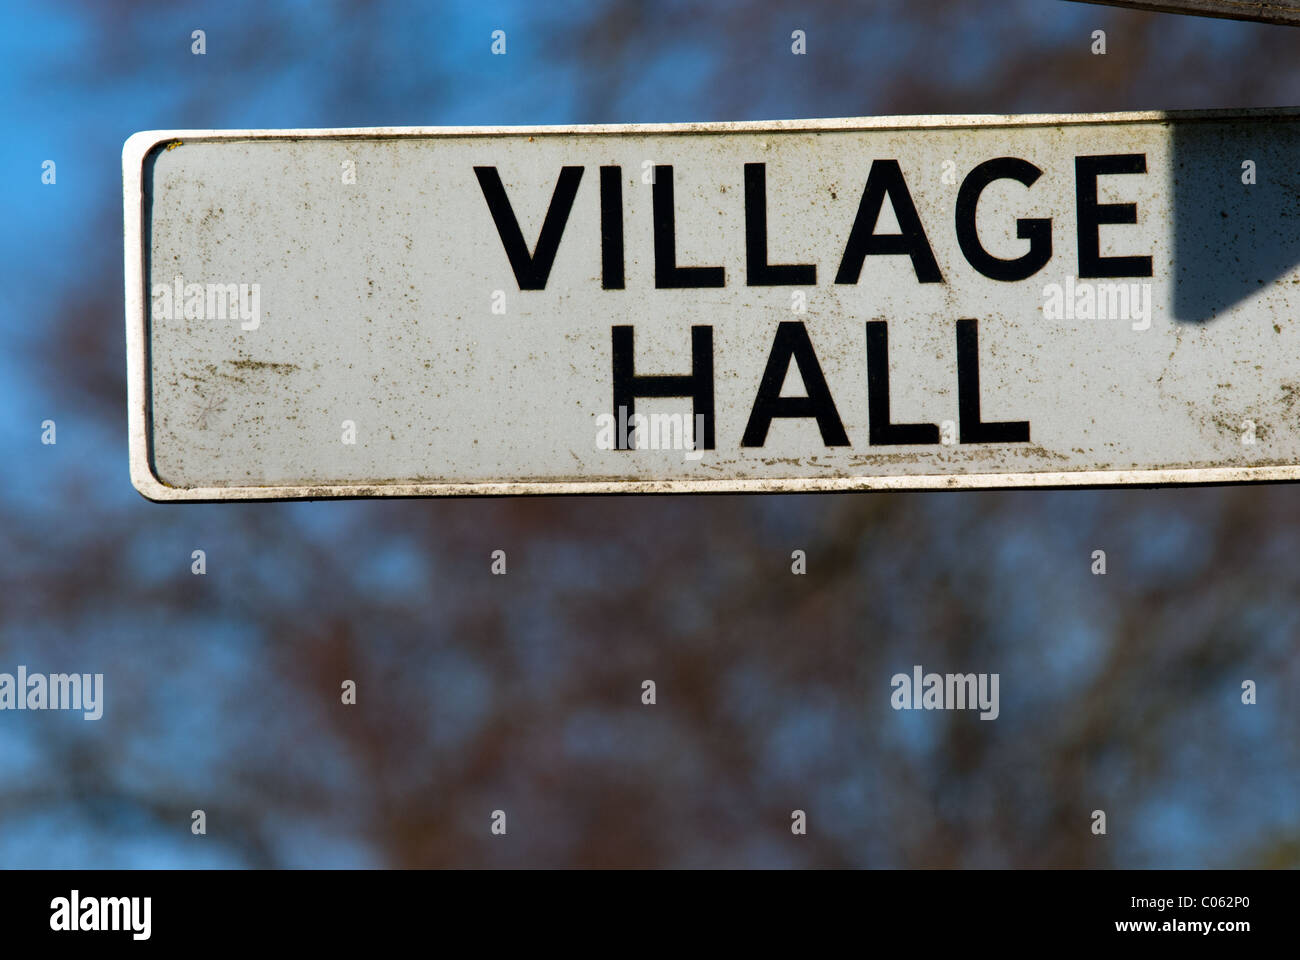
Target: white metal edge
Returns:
[[139, 145], [134, 152], [990, 481], [151, 138]]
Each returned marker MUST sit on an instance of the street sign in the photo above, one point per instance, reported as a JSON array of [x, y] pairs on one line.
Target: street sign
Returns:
[[1268, 11], [912, 302]]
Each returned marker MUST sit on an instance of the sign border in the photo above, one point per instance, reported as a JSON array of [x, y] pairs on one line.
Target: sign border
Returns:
[[139, 146], [1257, 11]]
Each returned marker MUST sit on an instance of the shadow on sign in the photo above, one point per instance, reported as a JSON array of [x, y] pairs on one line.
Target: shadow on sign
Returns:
[[1233, 238]]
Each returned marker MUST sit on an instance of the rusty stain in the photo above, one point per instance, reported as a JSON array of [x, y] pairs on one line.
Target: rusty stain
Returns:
[[263, 365]]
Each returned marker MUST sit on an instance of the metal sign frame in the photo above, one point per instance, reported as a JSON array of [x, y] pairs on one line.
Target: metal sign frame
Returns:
[[139, 147], [1283, 12]]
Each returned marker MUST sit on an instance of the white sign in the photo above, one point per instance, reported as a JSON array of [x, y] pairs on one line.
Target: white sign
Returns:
[[805, 305]]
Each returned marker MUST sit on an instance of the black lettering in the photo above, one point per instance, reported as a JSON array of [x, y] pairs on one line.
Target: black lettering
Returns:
[[611, 228], [792, 341], [1037, 232], [758, 272], [885, 179], [1092, 215], [698, 384], [882, 432], [972, 429], [531, 270], [669, 276]]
